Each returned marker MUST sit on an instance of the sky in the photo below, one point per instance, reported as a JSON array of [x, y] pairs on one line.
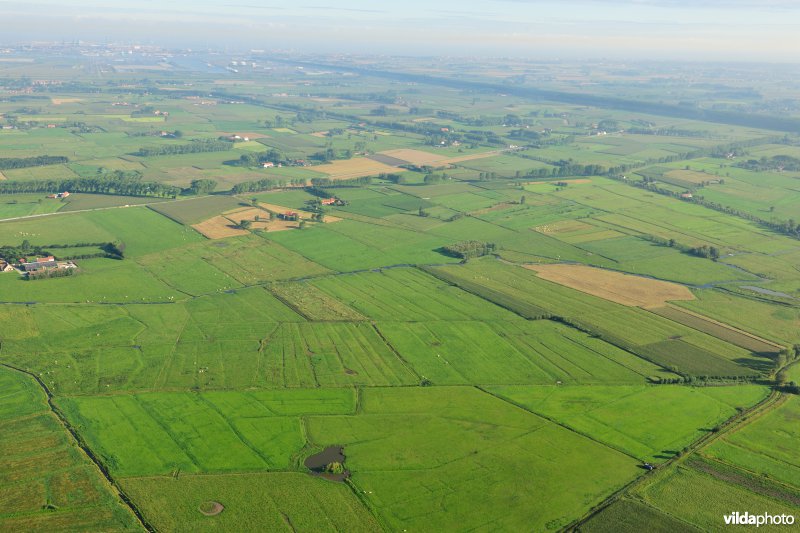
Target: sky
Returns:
[[727, 30]]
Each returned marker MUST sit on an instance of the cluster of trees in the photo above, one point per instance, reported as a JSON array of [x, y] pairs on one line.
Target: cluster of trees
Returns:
[[433, 179], [784, 359], [331, 154], [705, 251], [399, 179], [469, 249], [201, 186], [195, 147], [9, 163], [258, 159], [766, 164], [384, 111]]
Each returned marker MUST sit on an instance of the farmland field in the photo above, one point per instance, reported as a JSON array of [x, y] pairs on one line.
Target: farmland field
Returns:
[[273, 501], [46, 482], [619, 288], [765, 446], [497, 309]]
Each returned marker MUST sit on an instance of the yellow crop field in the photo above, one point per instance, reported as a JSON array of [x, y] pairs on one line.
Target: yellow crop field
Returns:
[[625, 289], [690, 175], [218, 227], [353, 168]]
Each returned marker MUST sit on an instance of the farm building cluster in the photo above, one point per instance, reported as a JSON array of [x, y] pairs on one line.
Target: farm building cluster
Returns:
[[33, 265], [64, 194]]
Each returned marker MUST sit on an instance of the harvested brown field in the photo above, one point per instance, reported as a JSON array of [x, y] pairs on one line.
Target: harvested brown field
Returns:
[[353, 168], [263, 223], [625, 289], [226, 225], [470, 157], [421, 158], [2, 176], [219, 227], [319, 134]]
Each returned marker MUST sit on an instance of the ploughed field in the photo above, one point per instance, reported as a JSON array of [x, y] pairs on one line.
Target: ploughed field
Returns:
[[484, 339]]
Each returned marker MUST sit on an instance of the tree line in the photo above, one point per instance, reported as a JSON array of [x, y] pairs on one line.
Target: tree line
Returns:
[[110, 250], [112, 185], [195, 147], [329, 183], [265, 184], [10, 163]]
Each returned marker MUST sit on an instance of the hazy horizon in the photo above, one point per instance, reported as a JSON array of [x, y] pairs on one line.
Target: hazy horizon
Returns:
[[735, 30]]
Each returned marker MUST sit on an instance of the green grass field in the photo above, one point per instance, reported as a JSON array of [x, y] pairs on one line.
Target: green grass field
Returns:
[[649, 422], [458, 444], [268, 501], [766, 446], [702, 500]]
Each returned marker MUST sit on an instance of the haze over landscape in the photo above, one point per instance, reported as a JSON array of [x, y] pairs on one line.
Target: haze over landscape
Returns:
[[735, 30]]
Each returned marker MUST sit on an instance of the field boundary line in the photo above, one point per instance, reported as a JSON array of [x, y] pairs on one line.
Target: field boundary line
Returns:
[[121, 495], [395, 352], [556, 422], [244, 440]]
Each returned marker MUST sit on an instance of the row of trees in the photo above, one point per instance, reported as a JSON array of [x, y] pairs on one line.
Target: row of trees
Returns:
[[111, 250], [266, 184], [10, 163], [108, 185], [329, 183], [51, 273], [197, 146]]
